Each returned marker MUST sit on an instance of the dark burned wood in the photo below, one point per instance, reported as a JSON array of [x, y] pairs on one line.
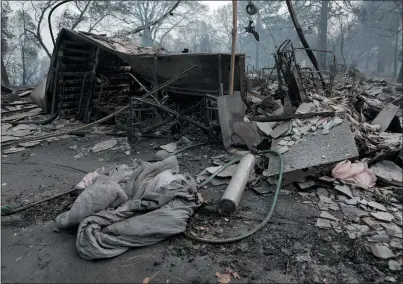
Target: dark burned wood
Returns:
[[283, 117], [66, 74], [6, 89], [18, 110], [74, 58], [75, 50], [304, 42], [388, 155]]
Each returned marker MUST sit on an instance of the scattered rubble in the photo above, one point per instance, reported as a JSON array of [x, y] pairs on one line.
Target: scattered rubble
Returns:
[[377, 206], [388, 172], [170, 148], [338, 160], [394, 265], [383, 216], [384, 118], [104, 145], [382, 251], [323, 223], [327, 215], [29, 144], [344, 189], [13, 150]]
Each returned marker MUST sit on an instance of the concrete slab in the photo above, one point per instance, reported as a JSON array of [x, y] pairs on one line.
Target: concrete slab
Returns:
[[266, 127], [230, 109], [317, 150], [282, 128], [248, 133], [385, 117], [388, 172]]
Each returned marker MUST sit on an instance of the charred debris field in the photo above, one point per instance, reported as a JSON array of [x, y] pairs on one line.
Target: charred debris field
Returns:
[[127, 162]]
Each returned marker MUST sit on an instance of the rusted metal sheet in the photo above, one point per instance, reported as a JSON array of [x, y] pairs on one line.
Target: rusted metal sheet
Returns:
[[205, 78]]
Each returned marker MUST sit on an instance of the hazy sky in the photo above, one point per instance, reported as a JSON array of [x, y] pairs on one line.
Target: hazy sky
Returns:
[[46, 35], [215, 4]]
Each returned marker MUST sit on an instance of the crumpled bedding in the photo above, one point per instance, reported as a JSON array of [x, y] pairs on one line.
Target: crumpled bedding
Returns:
[[131, 207], [356, 173]]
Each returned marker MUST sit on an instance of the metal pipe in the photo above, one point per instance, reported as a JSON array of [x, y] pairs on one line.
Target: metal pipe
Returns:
[[172, 112], [233, 47], [232, 195], [219, 74], [137, 81], [171, 118]]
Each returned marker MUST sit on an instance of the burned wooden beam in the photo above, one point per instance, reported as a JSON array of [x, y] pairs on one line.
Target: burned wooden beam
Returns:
[[284, 117]]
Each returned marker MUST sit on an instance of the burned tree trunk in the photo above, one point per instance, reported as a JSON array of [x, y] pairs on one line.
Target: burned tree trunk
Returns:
[[400, 77], [380, 67], [302, 38], [395, 59], [324, 11], [342, 43], [24, 69], [4, 75], [147, 40]]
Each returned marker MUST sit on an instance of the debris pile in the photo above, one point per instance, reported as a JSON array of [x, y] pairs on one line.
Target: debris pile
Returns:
[[16, 105], [341, 146], [362, 198], [374, 215], [347, 146]]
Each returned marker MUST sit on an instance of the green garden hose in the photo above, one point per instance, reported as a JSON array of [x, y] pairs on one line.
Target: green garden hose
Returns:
[[263, 223]]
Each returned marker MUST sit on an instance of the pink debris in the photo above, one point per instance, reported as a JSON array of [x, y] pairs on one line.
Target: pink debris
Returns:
[[356, 173], [87, 180]]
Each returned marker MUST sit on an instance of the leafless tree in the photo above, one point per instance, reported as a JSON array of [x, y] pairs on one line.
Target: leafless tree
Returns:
[[6, 36], [41, 8]]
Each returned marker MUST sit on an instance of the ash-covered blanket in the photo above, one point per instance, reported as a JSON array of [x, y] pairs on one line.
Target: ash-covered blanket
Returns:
[[126, 207]]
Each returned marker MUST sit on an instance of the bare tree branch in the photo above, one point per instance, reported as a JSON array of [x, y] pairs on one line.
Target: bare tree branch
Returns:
[[81, 17], [155, 21], [38, 35]]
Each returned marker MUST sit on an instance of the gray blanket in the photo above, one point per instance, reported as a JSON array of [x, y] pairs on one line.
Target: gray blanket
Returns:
[[131, 207]]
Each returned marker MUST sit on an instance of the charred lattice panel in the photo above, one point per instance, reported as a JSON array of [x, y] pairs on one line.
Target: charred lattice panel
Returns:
[[71, 84], [113, 86]]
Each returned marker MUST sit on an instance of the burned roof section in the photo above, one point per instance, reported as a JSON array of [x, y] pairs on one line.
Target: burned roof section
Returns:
[[113, 44], [120, 44]]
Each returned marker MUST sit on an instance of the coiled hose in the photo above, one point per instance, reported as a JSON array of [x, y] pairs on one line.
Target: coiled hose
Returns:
[[263, 223]]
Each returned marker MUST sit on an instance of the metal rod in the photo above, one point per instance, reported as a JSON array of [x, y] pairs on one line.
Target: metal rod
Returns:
[[219, 74], [232, 195], [170, 111], [170, 81], [137, 81], [151, 128], [221, 90], [141, 85], [234, 32]]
